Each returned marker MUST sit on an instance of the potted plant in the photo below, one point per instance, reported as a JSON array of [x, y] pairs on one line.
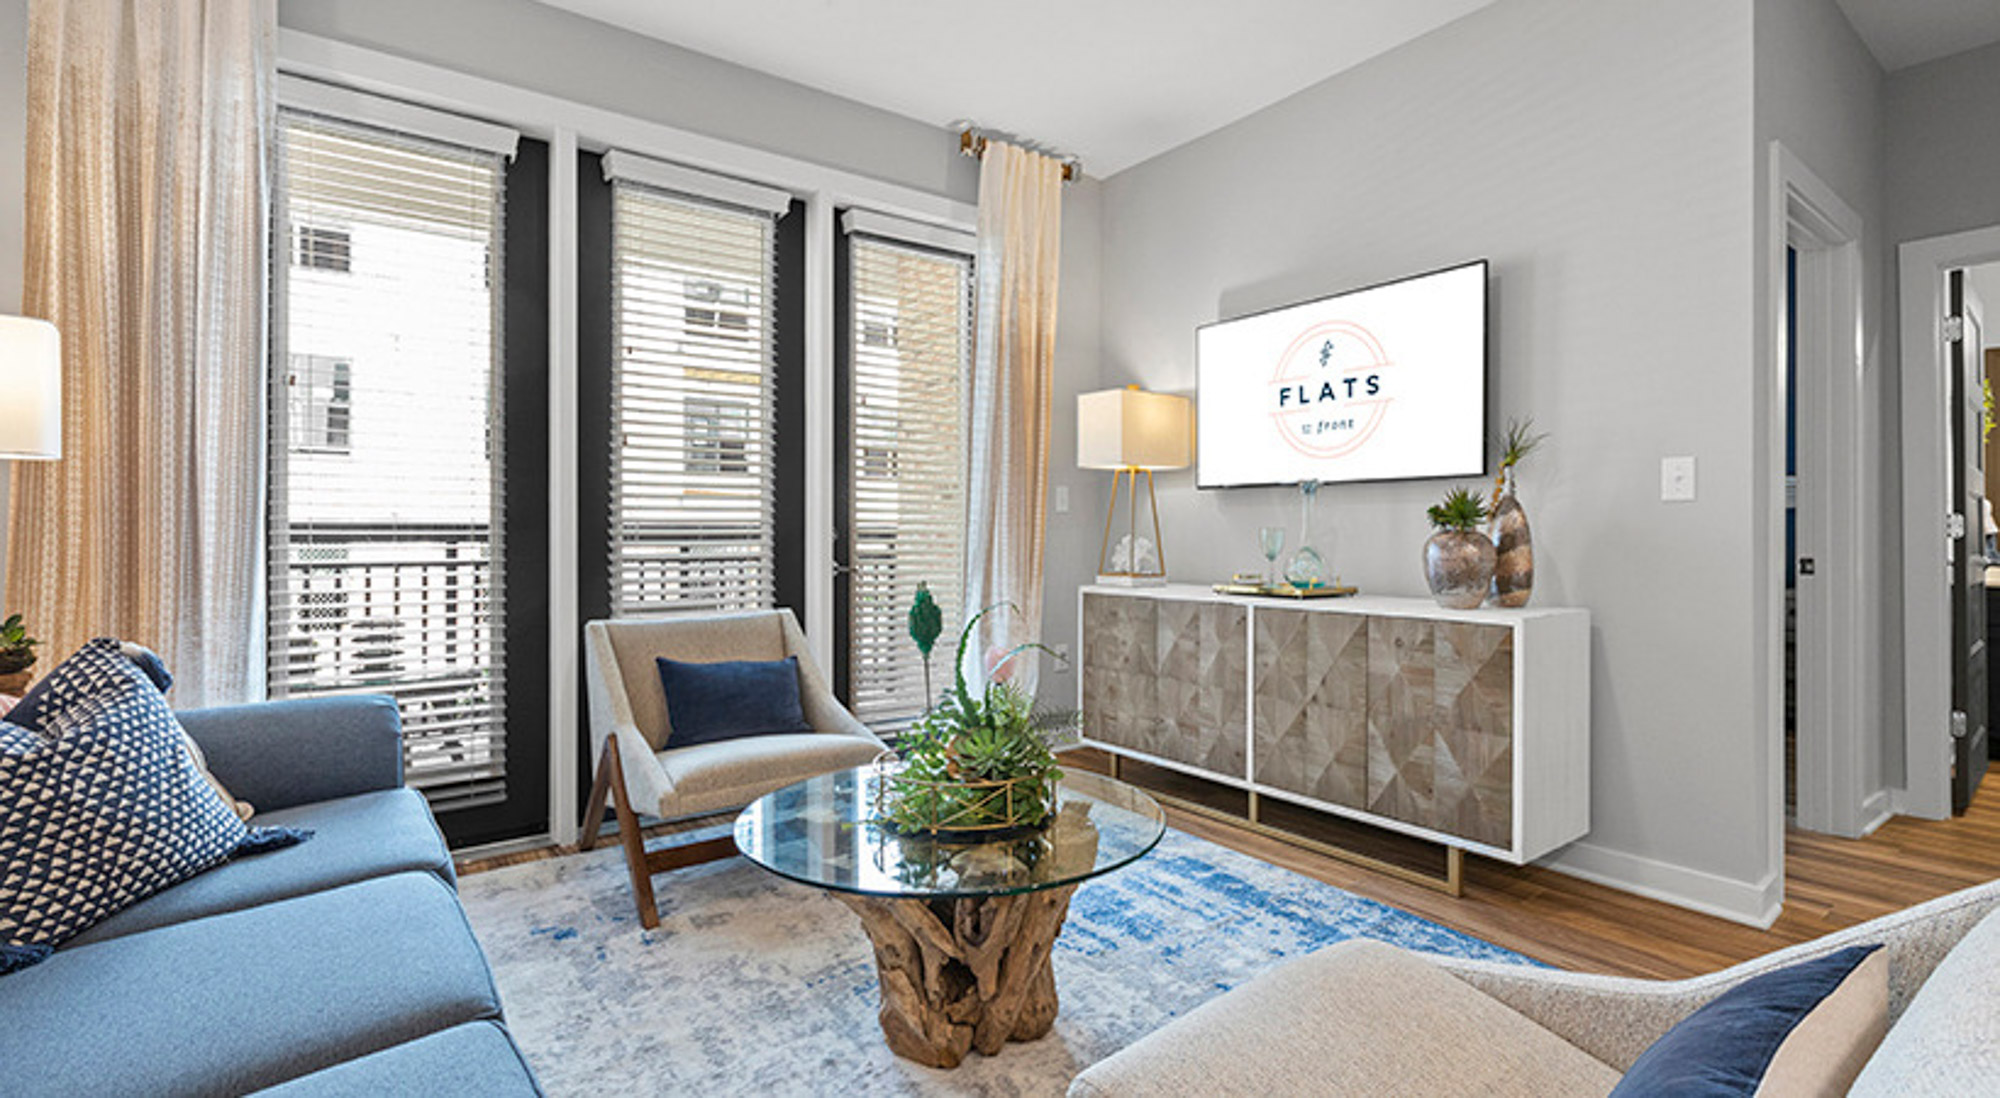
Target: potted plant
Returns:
[[980, 764], [17, 655], [1514, 569], [1458, 558]]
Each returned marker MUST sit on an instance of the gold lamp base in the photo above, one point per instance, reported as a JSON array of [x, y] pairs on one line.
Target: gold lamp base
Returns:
[[1130, 576]]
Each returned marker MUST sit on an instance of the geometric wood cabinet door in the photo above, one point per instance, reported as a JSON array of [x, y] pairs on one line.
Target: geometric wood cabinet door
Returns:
[[1465, 727], [1441, 726], [1311, 703], [1164, 678]]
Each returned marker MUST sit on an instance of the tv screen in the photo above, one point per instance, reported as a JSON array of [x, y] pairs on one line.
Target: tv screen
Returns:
[[1382, 383]]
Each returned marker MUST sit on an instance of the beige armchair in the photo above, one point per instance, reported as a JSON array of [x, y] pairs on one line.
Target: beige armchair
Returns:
[[631, 734]]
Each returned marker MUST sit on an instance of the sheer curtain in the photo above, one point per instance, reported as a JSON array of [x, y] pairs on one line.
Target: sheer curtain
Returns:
[[1020, 248], [148, 138]]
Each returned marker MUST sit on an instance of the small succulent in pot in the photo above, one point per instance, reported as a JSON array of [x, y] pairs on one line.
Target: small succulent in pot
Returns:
[[17, 648], [1459, 557]]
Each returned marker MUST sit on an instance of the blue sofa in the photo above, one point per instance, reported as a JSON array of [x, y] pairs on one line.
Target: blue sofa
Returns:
[[341, 966]]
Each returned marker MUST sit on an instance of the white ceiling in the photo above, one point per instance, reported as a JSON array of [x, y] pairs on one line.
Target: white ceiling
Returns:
[[1902, 33], [1111, 81]]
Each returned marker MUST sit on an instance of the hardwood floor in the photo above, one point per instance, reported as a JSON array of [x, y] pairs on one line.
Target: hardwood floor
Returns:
[[1830, 883]]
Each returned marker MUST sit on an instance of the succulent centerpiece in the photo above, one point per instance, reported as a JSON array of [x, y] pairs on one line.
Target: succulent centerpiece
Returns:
[[980, 763], [1458, 558]]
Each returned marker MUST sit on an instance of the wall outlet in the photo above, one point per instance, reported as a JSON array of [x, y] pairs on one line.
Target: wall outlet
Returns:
[[1677, 479], [1062, 499], [1062, 653]]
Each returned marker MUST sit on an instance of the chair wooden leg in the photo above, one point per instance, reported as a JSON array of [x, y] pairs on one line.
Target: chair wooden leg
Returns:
[[593, 816], [634, 839], [611, 780]]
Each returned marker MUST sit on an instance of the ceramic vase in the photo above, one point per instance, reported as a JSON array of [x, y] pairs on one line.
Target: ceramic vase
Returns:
[[1459, 566], [1514, 567]]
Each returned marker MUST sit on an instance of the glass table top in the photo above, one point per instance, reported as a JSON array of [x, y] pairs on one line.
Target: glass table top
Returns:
[[822, 831]]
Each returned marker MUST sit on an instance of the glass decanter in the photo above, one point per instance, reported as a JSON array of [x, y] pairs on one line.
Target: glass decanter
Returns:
[[1307, 568]]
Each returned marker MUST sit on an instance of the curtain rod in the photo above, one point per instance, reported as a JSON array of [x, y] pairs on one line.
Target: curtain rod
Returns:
[[973, 144]]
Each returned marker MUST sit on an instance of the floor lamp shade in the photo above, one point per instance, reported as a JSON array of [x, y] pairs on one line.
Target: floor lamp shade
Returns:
[[1132, 432], [30, 389]]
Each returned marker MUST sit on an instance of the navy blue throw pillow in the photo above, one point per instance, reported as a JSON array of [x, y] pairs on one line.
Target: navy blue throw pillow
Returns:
[[709, 702], [103, 806], [1725, 1049], [87, 671]]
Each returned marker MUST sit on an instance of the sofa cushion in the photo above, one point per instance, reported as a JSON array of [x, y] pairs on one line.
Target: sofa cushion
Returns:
[[710, 777], [1949, 1035], [354, 839], [102, 809], [1357, 1018], [1803, 1029], [247, 999], [475, 1060], [730, 699]]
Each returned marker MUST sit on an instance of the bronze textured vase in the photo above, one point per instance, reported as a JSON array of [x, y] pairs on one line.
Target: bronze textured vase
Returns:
[[1459, 566], [1514, 568]]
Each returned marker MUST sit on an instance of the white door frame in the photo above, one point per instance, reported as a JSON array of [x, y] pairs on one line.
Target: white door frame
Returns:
[[1926, 476], [1835, 614]]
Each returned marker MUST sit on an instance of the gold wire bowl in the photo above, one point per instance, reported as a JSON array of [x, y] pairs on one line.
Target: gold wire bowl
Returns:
[[980, 811]]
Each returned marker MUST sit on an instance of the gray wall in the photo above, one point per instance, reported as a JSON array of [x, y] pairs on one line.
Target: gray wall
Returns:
[[548, 50], [1600, 155], [1820, 92], [1944, 146]]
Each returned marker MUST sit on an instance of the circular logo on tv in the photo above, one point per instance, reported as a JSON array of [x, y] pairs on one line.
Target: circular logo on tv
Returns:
[[1329, 394]]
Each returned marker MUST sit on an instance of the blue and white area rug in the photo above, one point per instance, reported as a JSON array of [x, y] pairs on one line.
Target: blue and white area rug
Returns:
[[756, 985]]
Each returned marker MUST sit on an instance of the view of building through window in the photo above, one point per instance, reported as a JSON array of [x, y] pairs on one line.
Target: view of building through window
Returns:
[[692, 470], [386, 515], [911, 313]]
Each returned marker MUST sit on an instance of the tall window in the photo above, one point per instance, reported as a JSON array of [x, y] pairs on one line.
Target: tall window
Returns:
[[910, 314], [693, 475], [386, 520]]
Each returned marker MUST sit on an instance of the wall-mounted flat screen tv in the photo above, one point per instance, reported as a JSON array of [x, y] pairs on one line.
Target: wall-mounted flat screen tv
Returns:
[[1382, 383]]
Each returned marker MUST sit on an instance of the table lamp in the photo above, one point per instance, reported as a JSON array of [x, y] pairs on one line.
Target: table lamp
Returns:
[[1131, 431], [30, 389]]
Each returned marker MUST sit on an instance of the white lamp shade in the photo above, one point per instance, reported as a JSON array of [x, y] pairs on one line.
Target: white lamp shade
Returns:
[[1133, 429], [30, 389]]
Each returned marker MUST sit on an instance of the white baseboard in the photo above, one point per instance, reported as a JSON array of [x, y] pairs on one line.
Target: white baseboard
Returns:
[[1876, 809], [1754, 904], [506, 846]]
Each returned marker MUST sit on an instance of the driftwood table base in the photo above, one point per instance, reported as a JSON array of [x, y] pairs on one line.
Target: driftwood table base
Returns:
[[961, 974]]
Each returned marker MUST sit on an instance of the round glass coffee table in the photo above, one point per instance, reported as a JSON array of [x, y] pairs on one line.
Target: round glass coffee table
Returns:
[[962, 930]]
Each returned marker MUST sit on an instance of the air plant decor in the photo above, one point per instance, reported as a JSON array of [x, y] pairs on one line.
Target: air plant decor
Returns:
[[926, 622], [979, 763], [1514, 567], [1458, 558]]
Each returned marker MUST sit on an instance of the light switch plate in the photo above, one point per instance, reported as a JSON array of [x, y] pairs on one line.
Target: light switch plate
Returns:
[[1062, 499], [1677, 479]]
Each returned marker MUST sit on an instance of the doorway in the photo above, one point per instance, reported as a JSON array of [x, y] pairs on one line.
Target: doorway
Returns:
[[1945, 541], [1823, 567]]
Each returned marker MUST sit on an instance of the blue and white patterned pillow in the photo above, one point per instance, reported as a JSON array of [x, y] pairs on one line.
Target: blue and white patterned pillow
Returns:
[[102, 808]]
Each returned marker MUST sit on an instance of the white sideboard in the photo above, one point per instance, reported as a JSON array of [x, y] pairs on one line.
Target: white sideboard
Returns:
[[1469, 728]]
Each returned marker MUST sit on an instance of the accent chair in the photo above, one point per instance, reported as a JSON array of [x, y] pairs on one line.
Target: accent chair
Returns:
[[631, 734]]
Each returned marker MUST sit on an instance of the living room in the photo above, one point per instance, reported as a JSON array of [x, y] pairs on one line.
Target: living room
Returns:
[[376, 380]]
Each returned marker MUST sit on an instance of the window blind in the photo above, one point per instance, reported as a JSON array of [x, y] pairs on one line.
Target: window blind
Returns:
[[911, 313], [692, 472], [386, 515]]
